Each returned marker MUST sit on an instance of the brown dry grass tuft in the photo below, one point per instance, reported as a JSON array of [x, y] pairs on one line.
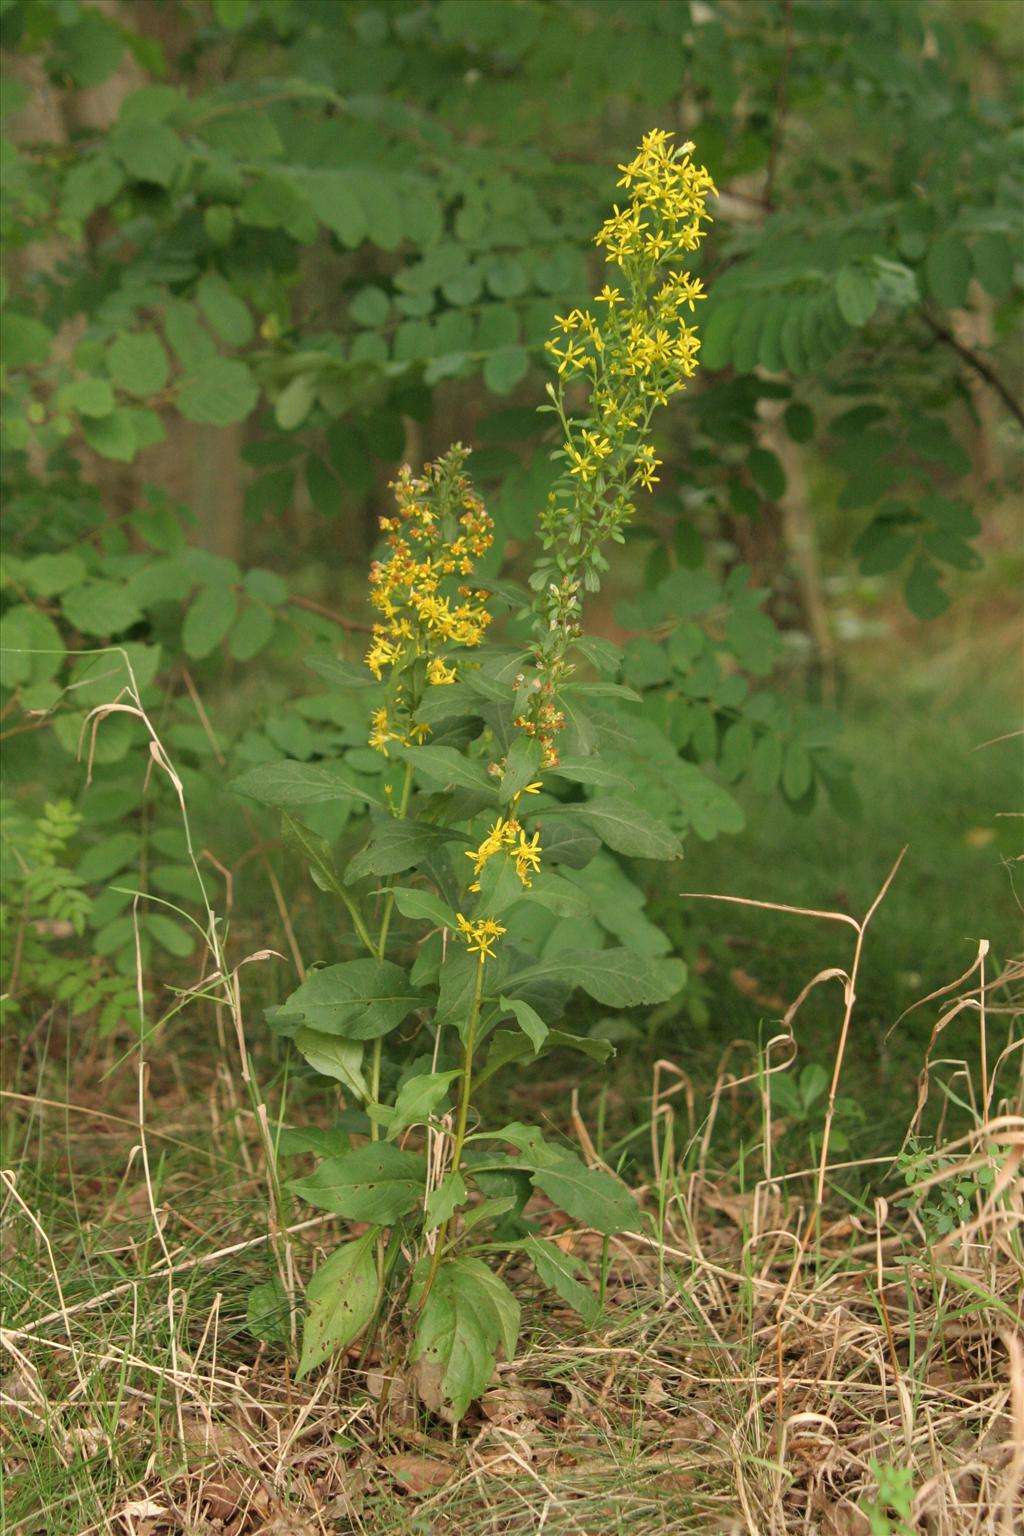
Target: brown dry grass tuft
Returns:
[[773, 1352]]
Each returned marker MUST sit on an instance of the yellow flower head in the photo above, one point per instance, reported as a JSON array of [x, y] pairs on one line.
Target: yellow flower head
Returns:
[[480, 935]]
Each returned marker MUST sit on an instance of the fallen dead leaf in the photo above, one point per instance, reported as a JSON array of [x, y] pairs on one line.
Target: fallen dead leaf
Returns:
[[418, 1475], [144, 1509]]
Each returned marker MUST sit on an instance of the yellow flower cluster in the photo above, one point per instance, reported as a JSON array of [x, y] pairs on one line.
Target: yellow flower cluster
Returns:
[[421, 590], [507, 836], [631, 356], [480, 934], [641, 351]]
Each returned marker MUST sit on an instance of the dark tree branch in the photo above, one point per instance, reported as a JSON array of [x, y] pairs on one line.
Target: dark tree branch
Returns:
[[780, 108], [981, 368], [328, 613]]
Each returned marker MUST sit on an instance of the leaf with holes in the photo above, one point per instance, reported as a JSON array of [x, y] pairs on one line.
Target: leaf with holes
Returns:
[[342, 1298], [378, 1182]]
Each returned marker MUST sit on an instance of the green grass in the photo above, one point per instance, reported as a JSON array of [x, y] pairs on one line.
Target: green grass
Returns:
[[929, 783]]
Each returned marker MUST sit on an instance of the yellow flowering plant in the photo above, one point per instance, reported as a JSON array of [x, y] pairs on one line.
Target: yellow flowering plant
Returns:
[[468, 885]]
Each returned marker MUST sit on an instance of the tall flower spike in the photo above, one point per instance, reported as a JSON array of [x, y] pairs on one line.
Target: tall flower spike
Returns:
[[633, 358]]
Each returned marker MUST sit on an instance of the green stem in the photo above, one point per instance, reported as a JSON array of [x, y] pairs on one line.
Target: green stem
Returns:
[[461, 1122], [385, 924]]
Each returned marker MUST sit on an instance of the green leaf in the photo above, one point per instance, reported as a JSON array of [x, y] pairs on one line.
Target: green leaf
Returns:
[[614, 976], [267, 1313], [468, 1313], [717, 332], [252, 632], [587, 770], [267, 586], [559, 896], [992, 257], [446, 766], [26, 341], [89, 397], [766, 763], [569, 842], [332, 197], [856, 293], [396, 846], [100, 608], [191, 345], [444, 1200], [522, 768], [295, 401], [172, 936], [333, 1057], [767, 472], [559, 1271], [138, 363], [418, 1098], [218, 392], [342, 1299], [799, 420], [370, 307], [232, 14], [423, 904], [149, 152], [589, 1195], [290, 783], [208, 620], [112, 436], [46, 575], [227, 313], [629, 830], [341, 674], [90, 184], [504, 368], [796, 772], [923, 590], [360, 999], [528, 1019], [948, 270], [378, 1183], [26, 629]]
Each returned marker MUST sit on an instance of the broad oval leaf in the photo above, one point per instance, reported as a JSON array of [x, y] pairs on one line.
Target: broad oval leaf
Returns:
[[291, 783], [342, 1298], [377, 1183]]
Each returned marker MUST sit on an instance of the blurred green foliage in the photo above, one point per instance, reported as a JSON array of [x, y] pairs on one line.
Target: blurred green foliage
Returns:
[[340, 230]]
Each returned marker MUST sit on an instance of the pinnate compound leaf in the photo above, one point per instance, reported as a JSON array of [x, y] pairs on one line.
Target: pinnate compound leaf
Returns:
[[559, 1271], [615, 977], [360, 999], [291, 783], [378, 1182], [468, 1313], [342, 1298], [629, 830]]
